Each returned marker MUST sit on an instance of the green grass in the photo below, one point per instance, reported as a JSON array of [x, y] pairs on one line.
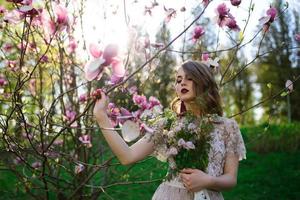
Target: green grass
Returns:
[[271, 170], [261, 176], [268, 176]]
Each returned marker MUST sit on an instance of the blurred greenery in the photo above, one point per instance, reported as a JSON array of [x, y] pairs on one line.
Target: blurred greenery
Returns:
[[271, 170]]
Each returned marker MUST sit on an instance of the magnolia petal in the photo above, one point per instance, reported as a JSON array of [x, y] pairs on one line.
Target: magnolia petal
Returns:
[[115, 79], [289, 85], [264, 20], [79, 168], [95, 50], [93, 68], [130, 131], [118, 68], [109, 53], [25, 8]]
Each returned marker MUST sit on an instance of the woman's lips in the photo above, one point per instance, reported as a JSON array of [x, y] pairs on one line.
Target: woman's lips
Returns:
[[183, 91]]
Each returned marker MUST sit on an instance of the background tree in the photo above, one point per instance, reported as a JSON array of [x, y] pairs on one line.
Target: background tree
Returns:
[[275, 69]]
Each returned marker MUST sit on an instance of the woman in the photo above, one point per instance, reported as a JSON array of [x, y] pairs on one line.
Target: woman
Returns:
[[198, 93]]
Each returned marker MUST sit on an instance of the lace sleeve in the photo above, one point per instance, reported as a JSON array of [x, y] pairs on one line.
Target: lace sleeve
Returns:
[[234, 141], [160, 148]]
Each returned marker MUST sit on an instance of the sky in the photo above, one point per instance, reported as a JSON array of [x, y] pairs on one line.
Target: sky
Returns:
[[104, 22]]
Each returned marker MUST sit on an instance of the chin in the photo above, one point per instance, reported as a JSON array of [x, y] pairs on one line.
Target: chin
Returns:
[[187, 99]]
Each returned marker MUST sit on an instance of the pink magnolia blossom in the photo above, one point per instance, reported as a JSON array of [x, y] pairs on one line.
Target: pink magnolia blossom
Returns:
[[27, 136], [12, 65], [95, 50], [79, 168], [118, 68], [222, 14], [141, 101], [52, 154], [125, 112], [272, 12], [13, 17], [158, 45], [86, 140], [110, 51], [83, 98], [44, 59], [132, 90], [7, 47], [36, 164], [70, 115], [17, 160], [96, 94], [222, 10], [170, 13], [72, 45], [58, 142], [146, 42], [62, 18], [235, 2], [124, 115], [113, 112], [32, 86], [32, 45], [205, 2], [28, 10], [267, 20], [153, 102], [289, 86], [205, 56], [2, 10], [231, 24], [59, 23], [198, 32], [115, 79], [297, 37], [3, 81], [94, 68]]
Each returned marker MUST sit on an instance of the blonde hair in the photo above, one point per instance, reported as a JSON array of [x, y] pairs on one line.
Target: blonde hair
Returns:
[[207, 93]]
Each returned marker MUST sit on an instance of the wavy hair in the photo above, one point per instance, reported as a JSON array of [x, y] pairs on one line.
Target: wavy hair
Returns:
[[207, 93]]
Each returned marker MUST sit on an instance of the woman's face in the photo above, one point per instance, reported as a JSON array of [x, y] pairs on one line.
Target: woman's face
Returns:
[[184, 87]]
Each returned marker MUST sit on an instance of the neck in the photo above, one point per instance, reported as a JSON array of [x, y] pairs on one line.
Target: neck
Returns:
[[193, 107]]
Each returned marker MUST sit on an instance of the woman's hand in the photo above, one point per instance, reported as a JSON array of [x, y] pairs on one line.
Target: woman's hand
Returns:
[[195, 180], [100, 106]]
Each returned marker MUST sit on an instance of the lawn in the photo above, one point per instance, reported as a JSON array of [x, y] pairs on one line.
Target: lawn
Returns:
[[274, 173]]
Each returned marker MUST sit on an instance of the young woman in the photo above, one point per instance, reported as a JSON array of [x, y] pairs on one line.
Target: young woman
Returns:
[[198, 93]]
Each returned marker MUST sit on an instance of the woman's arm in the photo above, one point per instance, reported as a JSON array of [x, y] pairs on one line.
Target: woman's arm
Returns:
[[229, 179], [196, 180], [125, 154]]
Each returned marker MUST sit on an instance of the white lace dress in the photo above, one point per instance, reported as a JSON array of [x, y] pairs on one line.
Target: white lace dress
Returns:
[[225, 139]]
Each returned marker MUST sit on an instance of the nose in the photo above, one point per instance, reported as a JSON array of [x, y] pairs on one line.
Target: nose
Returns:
[[183, 82]]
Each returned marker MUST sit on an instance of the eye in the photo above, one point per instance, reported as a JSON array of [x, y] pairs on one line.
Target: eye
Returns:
[[178, 81], [189, 78]]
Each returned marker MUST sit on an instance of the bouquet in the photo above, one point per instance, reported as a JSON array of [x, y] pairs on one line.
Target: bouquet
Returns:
[[184, 142]]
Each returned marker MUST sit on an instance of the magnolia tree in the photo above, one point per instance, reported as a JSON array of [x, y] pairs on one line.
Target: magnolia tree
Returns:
[[49, 138]]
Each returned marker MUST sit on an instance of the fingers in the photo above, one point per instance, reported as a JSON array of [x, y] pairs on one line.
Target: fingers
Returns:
[[185, 178], [187, 171]]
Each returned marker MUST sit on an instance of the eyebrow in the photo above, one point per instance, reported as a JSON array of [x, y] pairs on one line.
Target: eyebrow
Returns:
[[179, 76]]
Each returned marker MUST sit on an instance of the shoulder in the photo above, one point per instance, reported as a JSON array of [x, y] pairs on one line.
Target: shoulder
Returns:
[[225, 121]]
